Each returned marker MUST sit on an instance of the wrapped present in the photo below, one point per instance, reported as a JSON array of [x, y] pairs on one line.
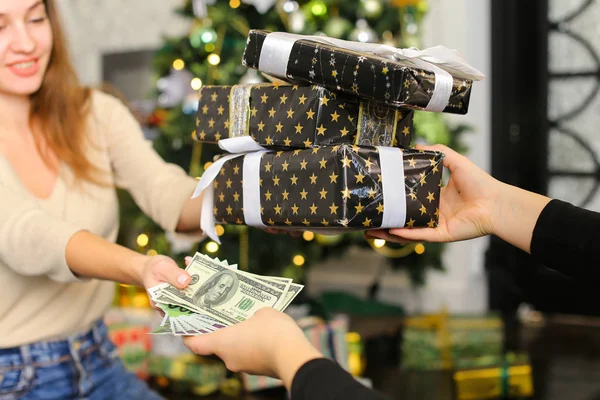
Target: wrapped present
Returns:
[[327, 337], [512, 378], [328, 189], [284, 116], [442, 341], [435, 79]]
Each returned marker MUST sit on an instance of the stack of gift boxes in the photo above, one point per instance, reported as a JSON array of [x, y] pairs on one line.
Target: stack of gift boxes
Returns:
[[326, 146]]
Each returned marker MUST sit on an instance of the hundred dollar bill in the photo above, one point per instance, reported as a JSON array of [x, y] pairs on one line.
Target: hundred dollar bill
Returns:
[[222, 293]]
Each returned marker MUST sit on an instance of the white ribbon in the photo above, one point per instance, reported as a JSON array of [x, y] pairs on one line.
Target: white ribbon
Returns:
[[238, 147], [392, 182], [391, 161], [442, 61]]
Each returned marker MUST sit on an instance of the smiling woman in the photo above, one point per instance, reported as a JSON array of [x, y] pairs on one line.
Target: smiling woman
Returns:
[[64, 149]]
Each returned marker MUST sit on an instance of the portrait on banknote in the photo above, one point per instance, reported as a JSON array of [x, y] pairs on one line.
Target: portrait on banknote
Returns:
[[217, 290]]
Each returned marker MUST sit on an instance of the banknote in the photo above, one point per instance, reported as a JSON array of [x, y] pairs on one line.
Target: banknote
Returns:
[[218, 295]]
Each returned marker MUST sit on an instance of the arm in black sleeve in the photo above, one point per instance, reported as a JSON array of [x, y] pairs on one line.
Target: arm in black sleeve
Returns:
[[567, 238], [323, 379]]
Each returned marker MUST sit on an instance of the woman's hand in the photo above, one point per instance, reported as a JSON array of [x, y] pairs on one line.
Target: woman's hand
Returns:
[[159, 269], [269, 343], [467, 204]]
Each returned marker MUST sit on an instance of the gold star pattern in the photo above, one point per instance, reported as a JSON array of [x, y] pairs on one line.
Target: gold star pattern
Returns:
[[303, 195], [279, 127], [220, 110], [321, 130], [303, 164], [287, 142], [261, 126], [283, 99], [372, 193], [277, 209], [268, 166], [236, 170], [359, 178], [268, 195], [323, 194], [253, 111], [333, 208], [344, 131], [310, 114], [307, 143], [430, 197], [313, 209], [211, 123], [412, 162], [313, 179], [367, 222], [213, 97], [431, 224], [333, 177], [325, 100], [269, 140], [423, 210], [236, 197], [285, 165], [290, 113], [302, 99], [205, 110], [346, 193], [324, 222], [359, 207], [264, 98], [295, 209], [221, 197], [285, 194], [272, 113], [346, 162], [323, 163], [380, 208], [411, 223], [406, 131], [335, 117], [294, 179], [306, 222], [299, 128], [276, 181], [229, 210], [344, 222], [368, 164], [288, 222]]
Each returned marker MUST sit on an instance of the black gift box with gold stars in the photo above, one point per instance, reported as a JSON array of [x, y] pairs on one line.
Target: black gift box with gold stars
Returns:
[[330, 187], [281, 116], [363, 75]]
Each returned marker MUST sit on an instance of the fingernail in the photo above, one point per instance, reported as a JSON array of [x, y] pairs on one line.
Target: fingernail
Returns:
[[182, 279], [188, 258]]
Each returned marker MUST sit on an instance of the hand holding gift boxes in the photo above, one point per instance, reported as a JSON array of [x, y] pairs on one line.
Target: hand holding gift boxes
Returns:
[[436, 79], [326, 189], [339, 164], [284, 116]]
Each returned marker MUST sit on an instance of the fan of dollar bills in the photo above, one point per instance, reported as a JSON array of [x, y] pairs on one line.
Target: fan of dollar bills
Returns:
[[218, 295]]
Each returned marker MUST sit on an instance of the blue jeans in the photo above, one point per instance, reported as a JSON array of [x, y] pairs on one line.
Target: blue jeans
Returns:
[[84, 366]]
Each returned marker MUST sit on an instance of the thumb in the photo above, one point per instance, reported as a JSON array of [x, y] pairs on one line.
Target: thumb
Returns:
[[203, 345], [167, 271]]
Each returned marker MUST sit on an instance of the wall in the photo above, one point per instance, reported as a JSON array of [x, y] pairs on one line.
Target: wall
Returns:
[[94, 27]]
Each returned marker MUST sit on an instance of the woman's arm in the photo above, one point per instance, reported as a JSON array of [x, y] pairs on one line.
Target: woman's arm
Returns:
[[91, 256]]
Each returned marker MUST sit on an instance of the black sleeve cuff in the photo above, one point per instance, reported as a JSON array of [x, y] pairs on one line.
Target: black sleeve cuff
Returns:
[[323, 379], [566, 238]]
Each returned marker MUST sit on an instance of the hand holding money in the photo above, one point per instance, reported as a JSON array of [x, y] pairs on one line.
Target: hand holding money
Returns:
[[218, 295]]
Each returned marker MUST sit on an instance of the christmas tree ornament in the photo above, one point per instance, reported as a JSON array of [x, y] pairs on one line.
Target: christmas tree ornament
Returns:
[[337, 27], [262, 6], [200, 7], [363, 32], [317, 8], [202, 35], [251, 76], [174, 87], [297, 21], [371, 9]]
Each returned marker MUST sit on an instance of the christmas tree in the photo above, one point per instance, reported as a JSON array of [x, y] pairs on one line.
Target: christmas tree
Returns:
[[211, 55]]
